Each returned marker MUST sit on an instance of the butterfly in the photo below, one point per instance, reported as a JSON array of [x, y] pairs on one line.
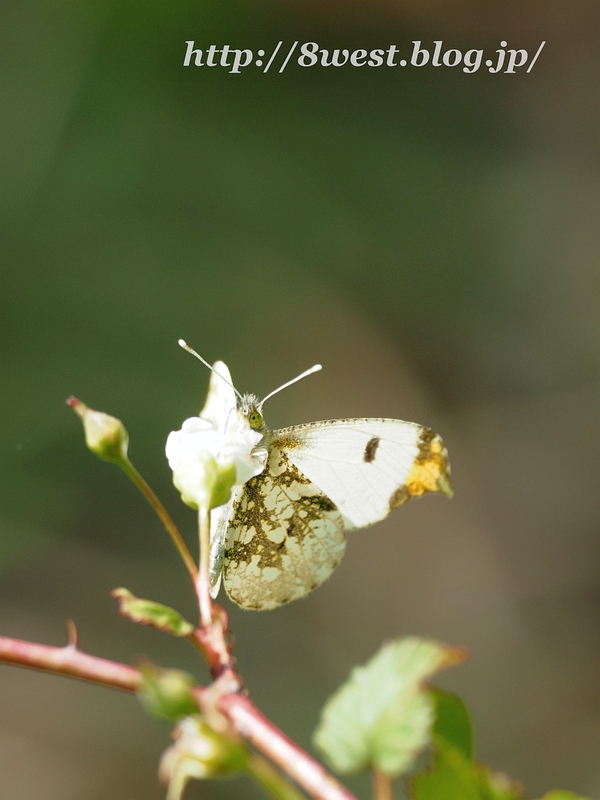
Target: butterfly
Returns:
[[283, 532]]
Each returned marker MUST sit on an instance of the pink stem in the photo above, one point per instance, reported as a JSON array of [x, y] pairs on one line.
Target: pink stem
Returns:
[[69, 661], [244, 715], [307, 772]]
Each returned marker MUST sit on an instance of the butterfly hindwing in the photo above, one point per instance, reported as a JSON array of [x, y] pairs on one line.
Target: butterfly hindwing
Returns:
[[368, 466], [219, 525], [285, 537]]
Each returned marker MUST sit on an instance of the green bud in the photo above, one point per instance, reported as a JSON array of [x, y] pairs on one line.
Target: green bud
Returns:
[[199, 752], [166, 693], [104, 435]]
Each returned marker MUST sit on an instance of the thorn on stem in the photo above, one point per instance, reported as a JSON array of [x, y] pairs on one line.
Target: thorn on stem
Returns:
[[73, 635]]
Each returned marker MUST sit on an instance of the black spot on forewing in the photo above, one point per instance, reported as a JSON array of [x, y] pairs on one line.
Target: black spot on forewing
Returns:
[[371, 449]]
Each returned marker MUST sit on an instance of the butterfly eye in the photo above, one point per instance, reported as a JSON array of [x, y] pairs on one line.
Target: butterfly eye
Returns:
[[255, 419]]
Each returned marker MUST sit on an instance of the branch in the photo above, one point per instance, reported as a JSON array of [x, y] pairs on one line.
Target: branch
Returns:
[[383, 786], [203, 577], [69, 661], [307, 772], [246, 718], [107, 438], [164, 517]]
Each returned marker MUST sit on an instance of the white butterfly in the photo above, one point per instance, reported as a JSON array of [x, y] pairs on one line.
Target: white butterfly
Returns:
[[284, 531]]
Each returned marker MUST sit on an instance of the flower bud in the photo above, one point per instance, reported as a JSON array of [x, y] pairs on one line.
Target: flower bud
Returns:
[[104, 435], [199, 752], [166, 693]]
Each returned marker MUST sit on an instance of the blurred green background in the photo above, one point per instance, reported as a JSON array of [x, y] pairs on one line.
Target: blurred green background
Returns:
[[430, 237]]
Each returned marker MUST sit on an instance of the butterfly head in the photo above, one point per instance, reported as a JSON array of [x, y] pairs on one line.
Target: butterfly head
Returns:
[[251, 408], [248, 404]]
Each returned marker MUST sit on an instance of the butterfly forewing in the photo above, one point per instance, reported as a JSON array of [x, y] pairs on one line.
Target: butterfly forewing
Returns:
[[367, 466], [285, 537]]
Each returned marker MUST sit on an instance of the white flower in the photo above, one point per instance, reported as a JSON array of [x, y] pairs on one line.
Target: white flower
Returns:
[[202, 458]]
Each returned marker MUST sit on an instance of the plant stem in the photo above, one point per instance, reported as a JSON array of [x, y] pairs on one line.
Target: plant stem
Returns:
[[271, 780], [203, 579], [69, 661], [163, 514], [212, 633], [264, 735], [239, 710], [383, 786]]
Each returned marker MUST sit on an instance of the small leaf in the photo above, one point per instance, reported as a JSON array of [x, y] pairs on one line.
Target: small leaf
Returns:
[[498, 785], [147, 612], [454, 775], [561, 795], [382, 716], [453, 721]]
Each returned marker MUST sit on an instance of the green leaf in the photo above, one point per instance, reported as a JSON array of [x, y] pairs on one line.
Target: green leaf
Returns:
[[454, 775], [147, 612], [382, 716], [453, 721], [560, 795], [498, 785]]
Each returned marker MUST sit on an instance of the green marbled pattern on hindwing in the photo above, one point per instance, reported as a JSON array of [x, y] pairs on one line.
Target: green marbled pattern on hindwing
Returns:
[[284, 539]]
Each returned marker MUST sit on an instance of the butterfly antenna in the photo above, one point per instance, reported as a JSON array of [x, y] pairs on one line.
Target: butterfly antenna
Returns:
[[316, 368], [191, 350]]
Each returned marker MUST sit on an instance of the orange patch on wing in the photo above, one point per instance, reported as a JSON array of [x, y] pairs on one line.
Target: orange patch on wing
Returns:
[[431, 470]]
